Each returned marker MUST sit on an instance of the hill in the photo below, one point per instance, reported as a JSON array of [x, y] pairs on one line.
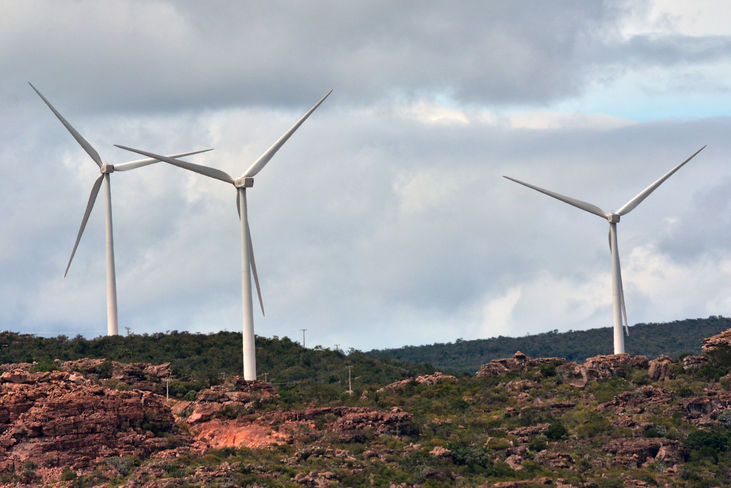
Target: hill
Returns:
[[610, 422], [203, 360], [651, 340]]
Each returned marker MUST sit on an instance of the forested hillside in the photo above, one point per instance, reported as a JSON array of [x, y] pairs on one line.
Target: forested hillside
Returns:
[[206, 358], [651, 340]]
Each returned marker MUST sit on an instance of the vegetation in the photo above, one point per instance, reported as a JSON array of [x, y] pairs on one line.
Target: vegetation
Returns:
[[199, 360], [461, 431], [465, 430], [651, 340]]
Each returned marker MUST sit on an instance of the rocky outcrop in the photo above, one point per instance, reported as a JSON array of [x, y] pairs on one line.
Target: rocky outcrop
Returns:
[[595, 368], [722, 340], [62, 419], [238, 390], [636, 452], [519, 363], [660, 368], [211, 425], [705, 410], [611, 365], [138, 376], [429, 379], [691, 363], [638, 401]]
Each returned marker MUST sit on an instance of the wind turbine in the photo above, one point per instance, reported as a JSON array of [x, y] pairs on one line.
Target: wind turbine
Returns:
[[246, 180], [619, 309], [105, 170]]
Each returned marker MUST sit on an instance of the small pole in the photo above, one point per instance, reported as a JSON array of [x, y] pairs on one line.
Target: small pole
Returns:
[[266, 376], [303, 337], [350, 385], [167, 388], [127, 329]]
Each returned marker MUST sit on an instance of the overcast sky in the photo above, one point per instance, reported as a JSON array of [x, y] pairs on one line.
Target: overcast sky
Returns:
[[384, 221]]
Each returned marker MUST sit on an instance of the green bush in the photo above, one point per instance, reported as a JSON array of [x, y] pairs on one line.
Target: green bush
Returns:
[[595, 425], [556, 431], [538, 444], [44, 365], [706, 444], [68, 474]]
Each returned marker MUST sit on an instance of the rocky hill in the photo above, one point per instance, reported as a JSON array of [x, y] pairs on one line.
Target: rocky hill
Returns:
[[609, 421]]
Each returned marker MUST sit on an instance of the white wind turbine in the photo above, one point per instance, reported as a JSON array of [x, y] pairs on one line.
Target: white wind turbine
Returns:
[[620, 311], [246, 180], [106, 170]]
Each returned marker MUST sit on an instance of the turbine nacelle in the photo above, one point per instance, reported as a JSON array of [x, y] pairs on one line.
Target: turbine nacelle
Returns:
[[613, 218], [244, 182], [106, 169]]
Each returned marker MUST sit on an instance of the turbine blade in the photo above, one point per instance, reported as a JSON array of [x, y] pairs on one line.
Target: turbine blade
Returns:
[[196, 168], [253, 270], [264, 158], [79, 138], [238, 204], [621, 300], [621, 287], [627, 208], [571, 201], [92, 198], [144, 162]]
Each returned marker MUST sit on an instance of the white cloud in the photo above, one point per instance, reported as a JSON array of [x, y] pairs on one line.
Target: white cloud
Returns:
[[384, 220]]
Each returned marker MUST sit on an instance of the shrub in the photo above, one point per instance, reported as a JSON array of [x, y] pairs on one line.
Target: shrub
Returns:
[[105, 369], [556, 431], [538, 444], [595, 424], [44, 365], [706, 444], [68, 474]]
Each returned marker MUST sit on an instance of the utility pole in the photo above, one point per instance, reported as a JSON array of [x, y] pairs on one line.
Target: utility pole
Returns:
[[350, 385], [127, 329], [303, 337], [167, 388]]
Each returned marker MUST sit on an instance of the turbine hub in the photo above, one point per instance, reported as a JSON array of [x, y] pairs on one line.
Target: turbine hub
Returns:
[[244, 182], [107, 168], [613, 218]]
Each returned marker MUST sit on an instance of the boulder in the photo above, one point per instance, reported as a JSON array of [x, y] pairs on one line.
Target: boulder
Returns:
[[660, 368], [716, 342]]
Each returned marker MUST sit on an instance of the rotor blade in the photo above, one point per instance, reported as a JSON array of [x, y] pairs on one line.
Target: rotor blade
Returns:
[[264, 158], [196, 168], [627, 208], [621, 299], [238, 204], [621, 287], [144, 162], [571, 201], [79, 138], [253, 269], [92, 198]]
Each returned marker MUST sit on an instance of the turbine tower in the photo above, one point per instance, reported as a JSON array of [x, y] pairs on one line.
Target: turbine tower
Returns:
[[105, 170], [619, 309], [246, 180]]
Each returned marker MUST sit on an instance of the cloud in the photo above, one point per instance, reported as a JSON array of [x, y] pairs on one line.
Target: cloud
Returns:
[[385, 220]]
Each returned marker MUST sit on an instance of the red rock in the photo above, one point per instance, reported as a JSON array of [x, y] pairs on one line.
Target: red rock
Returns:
[[719, 340], [519, 363], [58, 422], [429, 379]]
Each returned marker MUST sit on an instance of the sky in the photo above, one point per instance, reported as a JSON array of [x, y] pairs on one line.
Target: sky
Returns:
[[384, 221]]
